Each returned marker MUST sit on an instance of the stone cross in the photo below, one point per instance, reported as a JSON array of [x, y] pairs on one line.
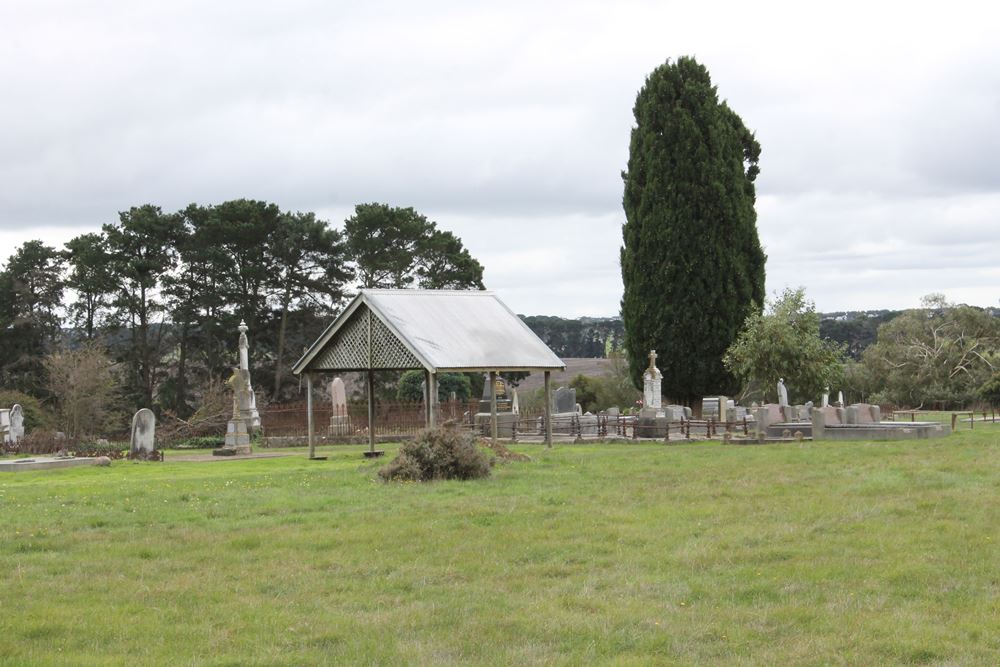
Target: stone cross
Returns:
[[651, 380]]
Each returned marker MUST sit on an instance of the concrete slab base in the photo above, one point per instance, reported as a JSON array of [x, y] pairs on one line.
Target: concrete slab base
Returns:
[[45, 463]]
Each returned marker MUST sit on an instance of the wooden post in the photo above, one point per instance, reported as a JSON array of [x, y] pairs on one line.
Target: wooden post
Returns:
[[493, 406], [427, 399], [371, 411], [309, 414], [432, 399], [548, 408]]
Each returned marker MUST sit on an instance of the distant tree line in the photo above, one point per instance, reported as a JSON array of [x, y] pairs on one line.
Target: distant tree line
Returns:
[[161, 293], [591, 337]]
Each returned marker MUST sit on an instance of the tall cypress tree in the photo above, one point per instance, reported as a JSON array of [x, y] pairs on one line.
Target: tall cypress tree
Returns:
[[692, 264]]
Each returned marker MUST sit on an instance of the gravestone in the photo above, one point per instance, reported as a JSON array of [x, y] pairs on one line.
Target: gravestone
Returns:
[[840, 399], [338, 400], [564, 401], [676, 413], [16, 423], [782, 393], [4, 425], [652, 398], [825, 402], [503, 398], [249, 411], [237, 429], [515, 407], [143, 441], [506, 419]]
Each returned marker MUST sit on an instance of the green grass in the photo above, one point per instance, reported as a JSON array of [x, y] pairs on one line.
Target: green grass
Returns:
[[827, 553]]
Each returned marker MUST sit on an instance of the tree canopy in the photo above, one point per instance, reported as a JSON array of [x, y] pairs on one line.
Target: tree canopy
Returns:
[[784, 343], [939, 355], [396, 247], [692, 264]]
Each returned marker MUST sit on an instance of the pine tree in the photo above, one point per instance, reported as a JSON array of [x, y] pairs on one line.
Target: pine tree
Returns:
[[692, 264]]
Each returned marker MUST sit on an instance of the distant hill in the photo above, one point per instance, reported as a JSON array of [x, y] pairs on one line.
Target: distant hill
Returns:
[[594, 337]]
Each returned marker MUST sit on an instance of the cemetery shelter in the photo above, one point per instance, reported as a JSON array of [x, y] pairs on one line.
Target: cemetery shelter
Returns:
[[436, 331]]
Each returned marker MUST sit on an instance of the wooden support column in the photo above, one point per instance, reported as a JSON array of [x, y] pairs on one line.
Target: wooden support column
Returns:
[[309, 414], [432, 398], [493, 406], [371, 411], [548, 408], [428, 419]]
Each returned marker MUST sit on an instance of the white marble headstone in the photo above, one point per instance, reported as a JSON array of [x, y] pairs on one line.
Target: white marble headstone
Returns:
[[338, 397], [16, 423], [143, 432]]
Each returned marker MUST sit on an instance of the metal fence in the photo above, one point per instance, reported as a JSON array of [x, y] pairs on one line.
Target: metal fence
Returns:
[[289, 423]]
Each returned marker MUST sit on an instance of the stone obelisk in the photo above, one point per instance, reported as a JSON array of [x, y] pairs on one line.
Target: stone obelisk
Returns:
[[250, 414]]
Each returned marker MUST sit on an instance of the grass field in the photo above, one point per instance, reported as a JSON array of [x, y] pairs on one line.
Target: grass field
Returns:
[[837, 553]]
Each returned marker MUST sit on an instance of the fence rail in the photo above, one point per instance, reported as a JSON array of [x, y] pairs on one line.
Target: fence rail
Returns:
[[395, 419]]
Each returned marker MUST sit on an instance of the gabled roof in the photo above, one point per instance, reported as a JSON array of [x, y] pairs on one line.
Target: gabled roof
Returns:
[[439, 330]]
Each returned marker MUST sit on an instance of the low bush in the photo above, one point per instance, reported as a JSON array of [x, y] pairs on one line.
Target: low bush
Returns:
[[35, 414], [442, 453], [40, 441], [201, 442]]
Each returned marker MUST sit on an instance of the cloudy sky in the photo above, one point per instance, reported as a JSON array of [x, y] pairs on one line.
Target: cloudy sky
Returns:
[[508, 123]]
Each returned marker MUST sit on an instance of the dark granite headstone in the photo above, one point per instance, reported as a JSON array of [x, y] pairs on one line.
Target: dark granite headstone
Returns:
[[564, 400]]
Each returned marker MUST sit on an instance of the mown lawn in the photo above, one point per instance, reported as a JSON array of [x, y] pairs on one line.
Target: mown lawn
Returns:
[[836, 553]]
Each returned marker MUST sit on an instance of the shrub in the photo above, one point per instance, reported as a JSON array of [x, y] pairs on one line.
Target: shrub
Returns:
[[990, 391], [202, 442], [442, 453], [35, 415]]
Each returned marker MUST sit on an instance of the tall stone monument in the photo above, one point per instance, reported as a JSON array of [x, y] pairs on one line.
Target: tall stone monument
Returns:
[[652, 400], [339, 422], [825, 401], [237, 431], [250, 414]]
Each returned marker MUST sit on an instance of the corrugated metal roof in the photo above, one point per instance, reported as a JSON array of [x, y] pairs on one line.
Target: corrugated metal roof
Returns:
[[445, 330]]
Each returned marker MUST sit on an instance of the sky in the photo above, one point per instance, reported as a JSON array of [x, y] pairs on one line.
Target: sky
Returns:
[[508, 124]]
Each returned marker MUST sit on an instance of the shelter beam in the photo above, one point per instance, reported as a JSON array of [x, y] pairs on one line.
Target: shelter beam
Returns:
[[548, 408], [309, 414], [493, 407]]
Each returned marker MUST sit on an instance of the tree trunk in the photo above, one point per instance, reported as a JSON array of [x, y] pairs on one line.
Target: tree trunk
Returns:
[[281, 342]]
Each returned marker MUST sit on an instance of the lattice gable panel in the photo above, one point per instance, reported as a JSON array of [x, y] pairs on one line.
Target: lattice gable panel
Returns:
[[349, 347], [387, 350]]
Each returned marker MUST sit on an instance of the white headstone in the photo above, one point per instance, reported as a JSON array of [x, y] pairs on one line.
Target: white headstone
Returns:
[[651, 380], [16, 423], [515, 407], [338, 397], [825, 402], [4, 425], [143, 439], [782, 393], [840, 398]]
